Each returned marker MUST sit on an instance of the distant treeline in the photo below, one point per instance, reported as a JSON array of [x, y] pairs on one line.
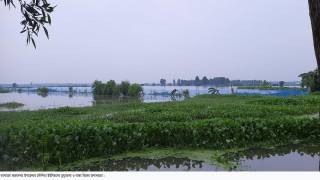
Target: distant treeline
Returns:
[[216, 81], [204, 81]]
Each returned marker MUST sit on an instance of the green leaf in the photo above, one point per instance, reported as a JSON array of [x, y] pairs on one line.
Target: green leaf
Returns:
[[46, 31], [49, 19], [23, 31], [34, 44], [50, 9]]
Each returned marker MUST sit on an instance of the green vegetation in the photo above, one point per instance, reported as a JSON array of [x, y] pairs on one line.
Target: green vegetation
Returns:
[[36, 14], [265, 84], [176, 94], [4, 91], [214, 122], [43, 91], [311, 80], [163, 82], [213, 91], [11, 105], [221, 81], [112, 89], [135, 90]]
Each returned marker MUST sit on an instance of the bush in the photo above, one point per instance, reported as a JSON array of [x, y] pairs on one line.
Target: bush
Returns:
[[43, 90], [111, 88], [124, 87], [116, 91], [135, 90]]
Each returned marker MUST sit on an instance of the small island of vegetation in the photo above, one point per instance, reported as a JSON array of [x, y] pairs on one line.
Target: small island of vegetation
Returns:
[[11, 105]]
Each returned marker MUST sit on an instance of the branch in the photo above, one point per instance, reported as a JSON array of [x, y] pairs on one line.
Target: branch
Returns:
[[36, 14]]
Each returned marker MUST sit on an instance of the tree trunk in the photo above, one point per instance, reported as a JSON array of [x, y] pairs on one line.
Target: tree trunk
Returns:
[[314, 9]]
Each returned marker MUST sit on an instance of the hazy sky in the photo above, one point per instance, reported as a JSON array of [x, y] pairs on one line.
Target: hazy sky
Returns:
[[145, 40]]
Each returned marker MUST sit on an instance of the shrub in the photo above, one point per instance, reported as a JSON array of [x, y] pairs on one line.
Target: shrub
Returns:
[[135, 90], [124, 87]]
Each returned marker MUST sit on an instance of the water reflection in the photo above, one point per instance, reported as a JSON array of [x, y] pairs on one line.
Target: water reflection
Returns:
[[283, 158], [140, 164], [101, 99], [43, 94], [82, 96], [301, 157]]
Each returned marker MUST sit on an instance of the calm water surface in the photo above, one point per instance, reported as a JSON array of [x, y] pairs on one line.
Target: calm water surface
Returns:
[[302, 157], [59, 96]]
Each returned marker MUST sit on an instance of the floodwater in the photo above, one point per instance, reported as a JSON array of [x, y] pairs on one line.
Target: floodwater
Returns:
[[283, 158], [140, 164], [300, 157], [60, 96]]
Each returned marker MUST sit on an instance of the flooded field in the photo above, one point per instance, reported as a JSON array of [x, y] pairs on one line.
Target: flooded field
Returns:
[[283, 158], [82, 96], [300, 157], [163, 164]]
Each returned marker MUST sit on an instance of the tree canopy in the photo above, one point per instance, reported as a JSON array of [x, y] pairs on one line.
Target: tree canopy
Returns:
[[36, 14], [314, 12]]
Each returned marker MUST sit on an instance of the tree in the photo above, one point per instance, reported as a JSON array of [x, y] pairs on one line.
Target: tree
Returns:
[[108, 89], [197, 81], [14, 85], [179, 82], [314, 12], [124, 87], [265, 84], [97, 87], [43, 91], [310, 80], [36, 14], [163, 82], [116, 90], [281, 83], [205, 80], [70, 89], [135, 90]]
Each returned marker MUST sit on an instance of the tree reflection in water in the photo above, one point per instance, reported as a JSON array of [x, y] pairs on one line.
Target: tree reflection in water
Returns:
[[307, 152], [140, 164], [102, 99]]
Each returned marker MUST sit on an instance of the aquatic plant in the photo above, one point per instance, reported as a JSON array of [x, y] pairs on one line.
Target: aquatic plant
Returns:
[[64, 135], [11, 105], [4, 91]]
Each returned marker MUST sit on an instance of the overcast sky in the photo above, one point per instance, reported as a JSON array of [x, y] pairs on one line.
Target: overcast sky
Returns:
[[145, 40]]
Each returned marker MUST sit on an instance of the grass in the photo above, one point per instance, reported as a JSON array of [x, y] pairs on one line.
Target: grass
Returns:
[[11, 105], [57, 137]]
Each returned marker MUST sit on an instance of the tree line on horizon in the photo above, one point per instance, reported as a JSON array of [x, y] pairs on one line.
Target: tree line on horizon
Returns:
[[216, 81]]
